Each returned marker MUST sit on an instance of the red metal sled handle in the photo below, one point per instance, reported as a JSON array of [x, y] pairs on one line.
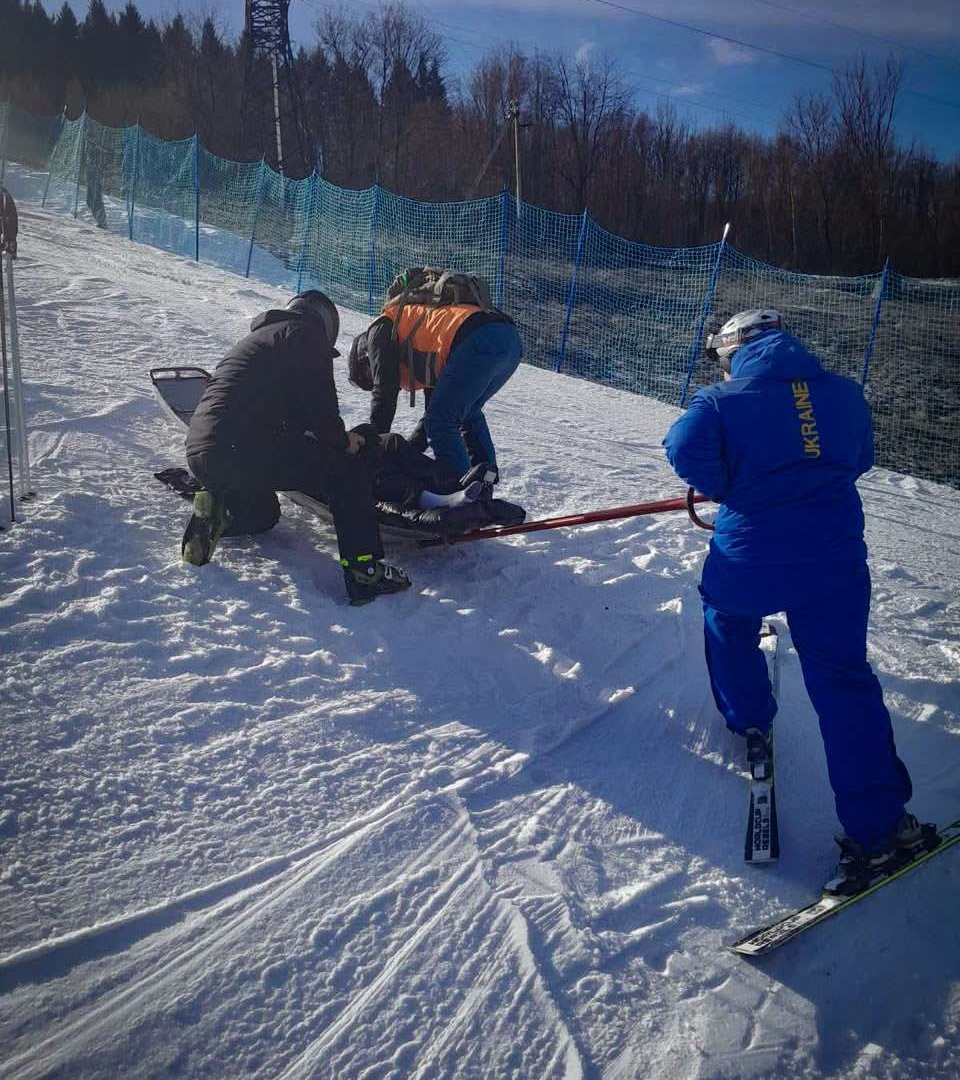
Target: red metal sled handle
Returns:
[[637, 510], [693, 497]]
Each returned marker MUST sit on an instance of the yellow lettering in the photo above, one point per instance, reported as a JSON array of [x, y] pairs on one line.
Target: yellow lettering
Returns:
[[808, 422]]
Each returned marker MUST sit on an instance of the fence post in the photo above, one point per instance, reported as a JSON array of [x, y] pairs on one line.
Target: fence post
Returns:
[[884, 282], [4, 128], [707, 305], [81, 153], [196, 196], [571, 295], [372, 260], [308, 214], [132, 201], [53, 150], [256, 212], [502, 259]]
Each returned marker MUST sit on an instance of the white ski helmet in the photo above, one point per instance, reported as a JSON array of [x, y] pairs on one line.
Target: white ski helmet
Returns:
[[317, 305], [741, 328]]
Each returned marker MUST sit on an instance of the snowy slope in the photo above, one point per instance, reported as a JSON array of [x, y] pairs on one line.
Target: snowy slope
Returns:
[[489, 828]]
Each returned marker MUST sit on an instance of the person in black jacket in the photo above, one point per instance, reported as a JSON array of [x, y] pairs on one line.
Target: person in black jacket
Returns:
[[269, 420]]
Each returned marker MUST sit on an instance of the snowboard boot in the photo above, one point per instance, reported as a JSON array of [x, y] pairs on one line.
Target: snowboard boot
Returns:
[[367, 578], [858, 868], [204, 529]]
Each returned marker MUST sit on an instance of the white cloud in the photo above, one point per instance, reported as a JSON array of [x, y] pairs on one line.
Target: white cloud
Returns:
[[584, 49], [727, 54]]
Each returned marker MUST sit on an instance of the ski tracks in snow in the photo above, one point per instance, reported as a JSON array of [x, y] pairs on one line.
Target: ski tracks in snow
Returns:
[[486, 829]]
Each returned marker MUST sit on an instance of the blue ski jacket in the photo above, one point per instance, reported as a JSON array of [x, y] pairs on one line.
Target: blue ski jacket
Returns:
[[780, 445]]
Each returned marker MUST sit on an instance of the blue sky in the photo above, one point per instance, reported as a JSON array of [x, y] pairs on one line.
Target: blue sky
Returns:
[[710, 80]]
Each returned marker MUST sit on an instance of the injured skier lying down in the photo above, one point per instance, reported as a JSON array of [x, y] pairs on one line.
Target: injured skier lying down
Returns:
[[412, 492]]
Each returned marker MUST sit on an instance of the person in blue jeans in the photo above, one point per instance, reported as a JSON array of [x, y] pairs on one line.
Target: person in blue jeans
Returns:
[[460, 355], [780, 444]]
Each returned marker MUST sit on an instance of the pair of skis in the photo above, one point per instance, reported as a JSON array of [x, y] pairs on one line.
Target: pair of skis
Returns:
[[762, 844]]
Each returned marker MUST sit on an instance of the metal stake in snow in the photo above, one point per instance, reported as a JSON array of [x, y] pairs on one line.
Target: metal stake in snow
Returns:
[[8, 248]]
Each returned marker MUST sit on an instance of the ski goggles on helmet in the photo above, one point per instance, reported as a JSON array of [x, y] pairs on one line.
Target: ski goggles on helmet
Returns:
[[720, 348]]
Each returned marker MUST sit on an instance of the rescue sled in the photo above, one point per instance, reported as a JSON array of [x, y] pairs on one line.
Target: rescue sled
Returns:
[[179, 390]]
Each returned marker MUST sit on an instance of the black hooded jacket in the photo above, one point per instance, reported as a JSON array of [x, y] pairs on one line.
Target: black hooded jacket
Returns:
[[275, 383]]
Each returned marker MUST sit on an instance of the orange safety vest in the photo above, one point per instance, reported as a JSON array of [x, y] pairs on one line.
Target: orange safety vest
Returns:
[[425, 334]]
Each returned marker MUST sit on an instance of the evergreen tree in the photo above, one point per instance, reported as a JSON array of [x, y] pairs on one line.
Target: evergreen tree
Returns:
[[99, 47]]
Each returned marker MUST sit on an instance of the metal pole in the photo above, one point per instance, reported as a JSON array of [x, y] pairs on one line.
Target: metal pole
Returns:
[[502, 261], [131, 206], [307, 215], [6, 392], [276, 112], [571, 295], [515, 115], [884, 281], [256, 212], [4, 127], [196, 196], [80, 156], [23, 460], [707, 304], [53, 150], [372, 261], [662, 506]]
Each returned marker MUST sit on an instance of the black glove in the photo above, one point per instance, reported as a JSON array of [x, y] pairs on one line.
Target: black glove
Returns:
[[367, 432]]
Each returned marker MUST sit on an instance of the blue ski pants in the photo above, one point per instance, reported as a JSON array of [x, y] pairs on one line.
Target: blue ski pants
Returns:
[[476, 369], [827, 610]]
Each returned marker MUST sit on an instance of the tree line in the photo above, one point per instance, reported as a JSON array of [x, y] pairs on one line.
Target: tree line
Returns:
[[833, 191]]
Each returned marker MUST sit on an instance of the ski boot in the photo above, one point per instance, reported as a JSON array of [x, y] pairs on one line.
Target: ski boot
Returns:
[[858, 868], [487, 475], [759, 753], [204, 529], [367, 578]]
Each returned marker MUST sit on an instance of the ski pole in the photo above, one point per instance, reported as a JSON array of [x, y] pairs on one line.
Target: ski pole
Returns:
[[6, 391], [572, 520]]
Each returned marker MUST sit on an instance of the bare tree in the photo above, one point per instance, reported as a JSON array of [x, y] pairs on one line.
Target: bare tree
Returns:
[[811, 122], [399, 41], [591, 92], [866, 102]]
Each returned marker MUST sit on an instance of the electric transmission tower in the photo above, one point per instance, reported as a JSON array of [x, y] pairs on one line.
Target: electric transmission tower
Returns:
[[272, 116]]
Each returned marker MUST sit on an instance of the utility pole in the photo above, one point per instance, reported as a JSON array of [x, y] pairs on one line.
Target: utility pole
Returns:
[[514, 115], [271, 90]]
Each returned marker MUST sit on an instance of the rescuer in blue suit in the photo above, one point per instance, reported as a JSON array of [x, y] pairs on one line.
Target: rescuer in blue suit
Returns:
[[780, 444]]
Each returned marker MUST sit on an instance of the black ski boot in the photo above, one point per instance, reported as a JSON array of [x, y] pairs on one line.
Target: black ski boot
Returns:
[[858, 868], [366, 579], [204, 529], [759, 753], [487, 475]]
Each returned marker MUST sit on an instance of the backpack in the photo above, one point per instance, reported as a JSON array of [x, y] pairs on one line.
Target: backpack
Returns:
[[428, 285], [359, 371]]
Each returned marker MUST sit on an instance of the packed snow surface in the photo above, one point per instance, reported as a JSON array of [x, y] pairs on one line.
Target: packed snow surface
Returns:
[[490, 828]]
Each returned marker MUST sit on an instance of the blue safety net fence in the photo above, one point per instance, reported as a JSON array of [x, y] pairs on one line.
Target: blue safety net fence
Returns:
[[588, 303]]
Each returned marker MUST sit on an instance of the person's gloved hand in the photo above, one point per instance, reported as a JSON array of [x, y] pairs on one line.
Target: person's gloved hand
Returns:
[[367, 432], [368, 437]]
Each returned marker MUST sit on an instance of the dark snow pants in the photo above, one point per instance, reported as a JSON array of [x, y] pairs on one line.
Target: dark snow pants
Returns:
[[827, 611], [248, 481]]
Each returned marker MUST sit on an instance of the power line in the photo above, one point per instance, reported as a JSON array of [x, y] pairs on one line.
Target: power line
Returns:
[[750, 45], [863, 33]]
